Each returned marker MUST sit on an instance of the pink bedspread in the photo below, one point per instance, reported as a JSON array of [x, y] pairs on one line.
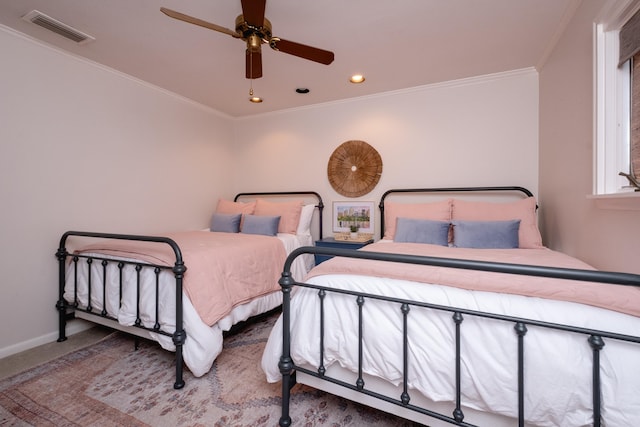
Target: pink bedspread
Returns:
[[223, 269], [625, 299]]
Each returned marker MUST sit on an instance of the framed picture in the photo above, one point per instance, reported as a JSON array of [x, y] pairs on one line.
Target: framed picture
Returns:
[[358, 214]]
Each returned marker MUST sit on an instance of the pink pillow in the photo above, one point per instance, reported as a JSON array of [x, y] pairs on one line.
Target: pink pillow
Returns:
[[289, 213], [436, 211], [524, 210], [229, 207]]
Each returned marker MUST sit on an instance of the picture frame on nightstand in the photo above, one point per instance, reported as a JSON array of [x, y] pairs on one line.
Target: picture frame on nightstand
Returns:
[[358, 213]]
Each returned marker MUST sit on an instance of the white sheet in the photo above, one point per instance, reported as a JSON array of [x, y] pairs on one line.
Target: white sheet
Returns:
[[488, 352], [203, 343]]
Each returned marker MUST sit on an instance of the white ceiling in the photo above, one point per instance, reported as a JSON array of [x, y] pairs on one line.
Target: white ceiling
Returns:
[[395, 44]]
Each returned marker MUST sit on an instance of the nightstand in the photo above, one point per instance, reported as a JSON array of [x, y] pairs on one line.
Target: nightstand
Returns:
[[330, 242]]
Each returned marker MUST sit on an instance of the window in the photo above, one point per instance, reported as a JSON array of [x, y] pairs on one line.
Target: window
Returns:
[[635, 115], [618, 101]]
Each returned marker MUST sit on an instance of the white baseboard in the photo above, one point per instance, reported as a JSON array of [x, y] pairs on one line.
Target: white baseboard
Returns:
[[73, 327]]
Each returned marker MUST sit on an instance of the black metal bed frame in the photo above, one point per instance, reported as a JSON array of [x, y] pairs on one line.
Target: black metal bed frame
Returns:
[[595, 338], [66, 309]]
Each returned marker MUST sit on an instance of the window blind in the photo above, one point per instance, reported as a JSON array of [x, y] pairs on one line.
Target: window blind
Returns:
[[630, 38]]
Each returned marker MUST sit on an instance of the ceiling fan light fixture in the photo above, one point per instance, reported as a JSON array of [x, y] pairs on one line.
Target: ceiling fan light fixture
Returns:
[[253, 43], [357, 78]]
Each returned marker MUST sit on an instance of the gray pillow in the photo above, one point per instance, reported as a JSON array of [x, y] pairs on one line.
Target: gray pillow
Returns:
[[261, 224], [486, 234], [226, 223], [413, 230]]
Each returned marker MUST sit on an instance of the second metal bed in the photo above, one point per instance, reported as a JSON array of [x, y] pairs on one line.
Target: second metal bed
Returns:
[[604, 382]]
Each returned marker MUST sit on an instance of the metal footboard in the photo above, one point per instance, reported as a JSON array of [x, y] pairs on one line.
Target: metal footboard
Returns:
[[595, 338], [66, 309]]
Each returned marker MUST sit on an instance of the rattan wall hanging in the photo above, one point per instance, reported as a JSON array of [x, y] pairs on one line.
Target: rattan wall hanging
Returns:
[[354, 168]]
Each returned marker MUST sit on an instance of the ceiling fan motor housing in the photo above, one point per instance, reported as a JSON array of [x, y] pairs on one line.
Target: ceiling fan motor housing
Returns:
[[254, 36]]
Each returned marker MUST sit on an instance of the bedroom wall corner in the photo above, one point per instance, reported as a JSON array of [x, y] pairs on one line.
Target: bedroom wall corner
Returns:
[[83, 147], [606, 239]]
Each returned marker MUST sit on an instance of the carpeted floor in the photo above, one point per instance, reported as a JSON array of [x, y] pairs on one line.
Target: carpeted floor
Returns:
[[111, 384]]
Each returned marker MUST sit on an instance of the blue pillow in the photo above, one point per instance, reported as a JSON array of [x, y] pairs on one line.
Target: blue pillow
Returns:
[[226, 223], [261, 224], [412, 230], [486, 234]]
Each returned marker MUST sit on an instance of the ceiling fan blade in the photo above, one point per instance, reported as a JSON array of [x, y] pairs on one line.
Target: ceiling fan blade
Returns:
[[253, 12], [196, 21], [303, 51], [253, 64]]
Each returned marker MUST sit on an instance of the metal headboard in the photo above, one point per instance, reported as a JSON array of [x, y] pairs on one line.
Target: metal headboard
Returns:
[[445, 190]]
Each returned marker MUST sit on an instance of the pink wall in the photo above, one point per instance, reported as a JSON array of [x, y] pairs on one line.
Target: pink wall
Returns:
[[478, 131], [85, 148], [609, 239]]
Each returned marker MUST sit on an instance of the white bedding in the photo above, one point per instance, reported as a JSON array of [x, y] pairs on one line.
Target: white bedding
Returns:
[[557, 365], [203, 343]]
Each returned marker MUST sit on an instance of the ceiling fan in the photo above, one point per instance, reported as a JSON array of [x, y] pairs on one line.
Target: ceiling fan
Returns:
[[253, 28]]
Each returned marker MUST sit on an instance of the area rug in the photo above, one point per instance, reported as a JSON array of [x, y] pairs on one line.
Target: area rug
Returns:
[[111, 384]]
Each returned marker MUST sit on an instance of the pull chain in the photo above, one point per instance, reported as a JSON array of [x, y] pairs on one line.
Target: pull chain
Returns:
[[251, 74]]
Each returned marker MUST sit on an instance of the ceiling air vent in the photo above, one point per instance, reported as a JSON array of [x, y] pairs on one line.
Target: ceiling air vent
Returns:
[[45, 21]]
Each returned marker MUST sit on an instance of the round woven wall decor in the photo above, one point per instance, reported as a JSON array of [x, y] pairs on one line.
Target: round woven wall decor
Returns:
[[354, 168]]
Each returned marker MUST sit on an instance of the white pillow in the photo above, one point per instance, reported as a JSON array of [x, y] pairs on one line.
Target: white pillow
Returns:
[[304, 225]]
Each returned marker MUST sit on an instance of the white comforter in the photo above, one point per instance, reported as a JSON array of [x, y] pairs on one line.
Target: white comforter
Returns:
[[558, 365], [203, 343]]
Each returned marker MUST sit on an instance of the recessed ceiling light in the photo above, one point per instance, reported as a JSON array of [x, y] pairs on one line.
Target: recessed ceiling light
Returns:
[[302, 90], [356, 78], [255, 99]]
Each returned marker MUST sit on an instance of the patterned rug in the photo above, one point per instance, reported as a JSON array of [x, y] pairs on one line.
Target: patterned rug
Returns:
[[111, 384]]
